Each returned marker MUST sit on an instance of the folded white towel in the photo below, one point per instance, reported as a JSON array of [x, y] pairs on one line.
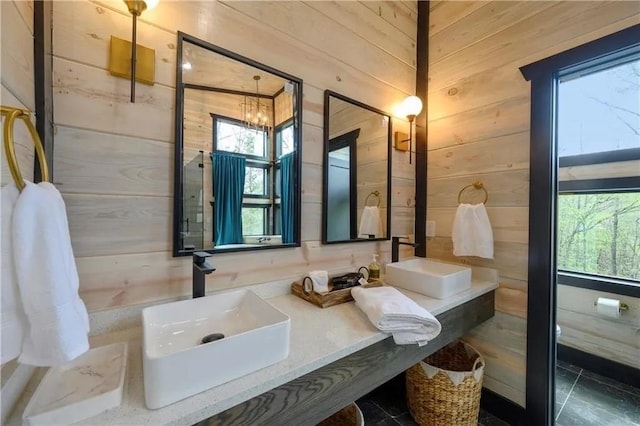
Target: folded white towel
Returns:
[[320, 281], [12, 319], [393, 312], [472, 234], [370, 223], [48, 279]]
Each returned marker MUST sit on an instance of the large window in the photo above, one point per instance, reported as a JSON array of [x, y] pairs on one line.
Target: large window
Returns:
[[231, 135], [598, 125]]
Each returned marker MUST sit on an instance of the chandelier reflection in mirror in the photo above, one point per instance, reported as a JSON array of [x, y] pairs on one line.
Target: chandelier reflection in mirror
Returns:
[[255, 113]]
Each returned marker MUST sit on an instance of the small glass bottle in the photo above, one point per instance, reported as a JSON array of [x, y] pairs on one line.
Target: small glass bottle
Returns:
[[374, 269]]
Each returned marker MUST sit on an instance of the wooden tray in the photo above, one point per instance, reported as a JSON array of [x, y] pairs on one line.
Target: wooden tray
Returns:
[[328, 299]]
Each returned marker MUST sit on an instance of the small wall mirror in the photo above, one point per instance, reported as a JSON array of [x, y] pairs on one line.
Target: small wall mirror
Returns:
[[237, 166], [357, 171]]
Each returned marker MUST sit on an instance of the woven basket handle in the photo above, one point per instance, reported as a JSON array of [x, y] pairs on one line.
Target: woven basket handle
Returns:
[[477, 363]]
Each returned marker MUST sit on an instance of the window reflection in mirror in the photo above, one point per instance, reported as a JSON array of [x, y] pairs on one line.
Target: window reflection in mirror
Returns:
[[237, 152], [357, 188]]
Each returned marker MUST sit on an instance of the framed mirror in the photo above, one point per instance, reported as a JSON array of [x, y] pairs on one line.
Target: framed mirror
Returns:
[[357, 171], [237, 152]]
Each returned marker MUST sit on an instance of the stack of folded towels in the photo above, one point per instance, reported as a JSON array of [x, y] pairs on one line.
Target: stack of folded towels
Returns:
[[392, 312]]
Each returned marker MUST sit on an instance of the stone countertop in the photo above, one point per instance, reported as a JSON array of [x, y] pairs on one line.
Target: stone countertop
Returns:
[[318, 337]]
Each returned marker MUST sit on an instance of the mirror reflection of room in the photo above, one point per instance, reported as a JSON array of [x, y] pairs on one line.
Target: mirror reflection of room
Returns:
[[239, 161], [357, 171]]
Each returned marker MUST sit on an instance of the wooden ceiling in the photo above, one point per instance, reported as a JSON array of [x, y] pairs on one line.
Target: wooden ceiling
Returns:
[[215, 70]]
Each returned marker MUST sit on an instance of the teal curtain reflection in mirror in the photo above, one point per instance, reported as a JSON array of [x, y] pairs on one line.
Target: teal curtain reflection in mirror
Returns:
[[228, 188], [287, 197]]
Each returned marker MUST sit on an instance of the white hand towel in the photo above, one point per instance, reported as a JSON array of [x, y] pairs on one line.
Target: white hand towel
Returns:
[[13, 321], [393, 312], [472, 234], [370, 223], [48, 279], [320, 281]]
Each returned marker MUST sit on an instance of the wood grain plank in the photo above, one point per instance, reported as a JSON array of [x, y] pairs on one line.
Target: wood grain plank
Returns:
[[22, 142], [16, 55], [489, 121], [331, 39], [401, 18], [89, 162], [581, 300], [25, 9], [477, 90], [82, 33], [316, 395], [503, 153], [510, 259], [489, 19], [509, 224], [600, 171], [506, 189], [81, 93], [444, 14], [109, 224], [534, 34], [370, 26]]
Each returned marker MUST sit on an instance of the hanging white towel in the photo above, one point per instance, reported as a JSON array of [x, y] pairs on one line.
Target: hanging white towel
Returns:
[[12, 319], [370, 223], [48, 279], [393, 312], [472, 234]]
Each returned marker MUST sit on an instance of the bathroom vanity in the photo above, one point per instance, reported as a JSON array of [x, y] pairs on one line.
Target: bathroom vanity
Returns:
[[336, 356]]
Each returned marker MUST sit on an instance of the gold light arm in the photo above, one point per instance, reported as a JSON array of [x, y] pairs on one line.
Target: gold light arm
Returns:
[[10, 115]]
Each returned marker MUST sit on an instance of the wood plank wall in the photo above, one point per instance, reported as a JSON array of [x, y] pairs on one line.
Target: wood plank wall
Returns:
[[16, 76], [479, 130], [114, 160]]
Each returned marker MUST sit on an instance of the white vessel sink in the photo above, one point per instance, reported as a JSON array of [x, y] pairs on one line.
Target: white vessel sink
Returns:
[[175, 363], [431, 278]]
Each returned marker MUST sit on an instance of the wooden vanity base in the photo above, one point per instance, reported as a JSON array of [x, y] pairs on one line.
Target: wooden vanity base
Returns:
[[313, 397]]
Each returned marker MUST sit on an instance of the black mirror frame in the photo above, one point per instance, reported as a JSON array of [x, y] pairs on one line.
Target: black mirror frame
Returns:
[[325, 170], [179, 151]]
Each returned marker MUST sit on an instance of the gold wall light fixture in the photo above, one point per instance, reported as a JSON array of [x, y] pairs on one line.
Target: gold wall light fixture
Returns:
[[141, 64], [410, 108]]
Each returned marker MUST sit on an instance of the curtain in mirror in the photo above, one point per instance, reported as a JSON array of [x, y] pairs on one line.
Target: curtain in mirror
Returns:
[[228, 188], [287, 198]]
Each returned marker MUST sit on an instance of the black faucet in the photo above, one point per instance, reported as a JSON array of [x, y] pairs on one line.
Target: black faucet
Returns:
[[395, 247], [200, 269]]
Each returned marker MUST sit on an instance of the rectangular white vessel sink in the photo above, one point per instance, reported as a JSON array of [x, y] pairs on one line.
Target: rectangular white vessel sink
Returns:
[[177, 365], [434, 279]]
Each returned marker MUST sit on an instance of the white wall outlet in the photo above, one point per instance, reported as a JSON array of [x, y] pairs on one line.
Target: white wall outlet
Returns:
[[431, 228]]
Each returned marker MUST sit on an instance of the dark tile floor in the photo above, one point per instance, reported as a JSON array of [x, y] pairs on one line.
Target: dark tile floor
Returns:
[[584, 398], [386, 406]]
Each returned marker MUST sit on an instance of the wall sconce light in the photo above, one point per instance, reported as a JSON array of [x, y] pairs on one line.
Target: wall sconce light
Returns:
[[142, 62], [410, 108]]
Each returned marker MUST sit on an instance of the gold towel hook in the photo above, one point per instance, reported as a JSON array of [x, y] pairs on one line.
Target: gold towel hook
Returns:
[[477, 185], [376, 194], [10, 115]]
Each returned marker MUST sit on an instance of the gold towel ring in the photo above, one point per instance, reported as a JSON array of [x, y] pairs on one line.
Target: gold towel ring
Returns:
[[376, 194], [476, 185], [10, 115]]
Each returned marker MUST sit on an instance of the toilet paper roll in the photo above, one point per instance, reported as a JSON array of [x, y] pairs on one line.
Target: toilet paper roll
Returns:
[[608, 307]]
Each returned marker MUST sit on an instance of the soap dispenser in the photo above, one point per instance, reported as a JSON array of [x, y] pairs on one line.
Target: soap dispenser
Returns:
[[374, 269]]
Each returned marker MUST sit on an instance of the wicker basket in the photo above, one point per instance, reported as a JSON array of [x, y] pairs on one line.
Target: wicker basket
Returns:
[[348, 416], [433, 396]]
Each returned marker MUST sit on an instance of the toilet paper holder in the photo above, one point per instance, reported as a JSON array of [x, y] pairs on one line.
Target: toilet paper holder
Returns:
[[623, 306]]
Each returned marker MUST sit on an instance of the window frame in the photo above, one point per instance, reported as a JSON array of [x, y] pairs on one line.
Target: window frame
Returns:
[[542, 273]]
